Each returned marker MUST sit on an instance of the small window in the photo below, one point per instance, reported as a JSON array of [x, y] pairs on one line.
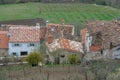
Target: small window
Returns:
[[32, 44], [16, 44], [62, 56], [24, 53], [14, 53], [118, 49]]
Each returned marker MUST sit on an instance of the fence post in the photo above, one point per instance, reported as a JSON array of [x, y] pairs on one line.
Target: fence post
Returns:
[[48, 76]]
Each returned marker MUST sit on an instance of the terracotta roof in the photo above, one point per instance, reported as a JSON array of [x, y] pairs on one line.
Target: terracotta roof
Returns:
[[65, 44], [3, 39], [83, 35], [95, 48], [71, 45], [54, 45], [25, 34], [50, 39]]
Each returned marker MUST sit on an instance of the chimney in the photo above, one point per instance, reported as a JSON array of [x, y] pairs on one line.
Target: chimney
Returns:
[[73, 29], [47, 23], [8, 34], [37, 26]]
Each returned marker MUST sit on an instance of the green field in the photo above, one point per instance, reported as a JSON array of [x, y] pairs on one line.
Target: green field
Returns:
[[71, 13]]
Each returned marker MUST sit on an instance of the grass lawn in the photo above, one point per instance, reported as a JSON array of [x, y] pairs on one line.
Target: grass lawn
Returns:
[[71, 13]]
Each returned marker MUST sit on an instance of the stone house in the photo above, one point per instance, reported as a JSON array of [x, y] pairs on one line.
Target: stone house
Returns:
[[102, 37], [65, 47]]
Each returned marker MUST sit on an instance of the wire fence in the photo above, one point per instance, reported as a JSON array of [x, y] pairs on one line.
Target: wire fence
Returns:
[[43, 73], [93, 70]]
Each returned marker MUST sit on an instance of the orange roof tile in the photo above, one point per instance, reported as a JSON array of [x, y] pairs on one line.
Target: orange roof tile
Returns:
[[71, 45], [83, 34], [24, 34], [95, 48], [3, 39], [66, 44]]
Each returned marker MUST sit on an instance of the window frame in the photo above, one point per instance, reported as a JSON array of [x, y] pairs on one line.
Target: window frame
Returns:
[[32, 44], [14, 53], [16, 44]]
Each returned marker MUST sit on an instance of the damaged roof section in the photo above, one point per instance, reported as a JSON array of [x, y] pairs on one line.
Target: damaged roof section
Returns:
[[97, 25], [60, 30], [66, 44]]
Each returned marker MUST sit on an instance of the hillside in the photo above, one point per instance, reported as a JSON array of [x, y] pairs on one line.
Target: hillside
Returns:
[[71, 13]]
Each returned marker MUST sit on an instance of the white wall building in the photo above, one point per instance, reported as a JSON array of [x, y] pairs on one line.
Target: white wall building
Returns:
[[22, 49], [88, 41], [23, 40]]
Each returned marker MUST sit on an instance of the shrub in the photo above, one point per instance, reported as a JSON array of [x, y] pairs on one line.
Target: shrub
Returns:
[[34, 58], [72, 58]]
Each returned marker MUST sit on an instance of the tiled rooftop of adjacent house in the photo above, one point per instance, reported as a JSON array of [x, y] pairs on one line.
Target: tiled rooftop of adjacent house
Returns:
[[25, 34], [54, 45], [65, 44], [110, 31], [97, 25], [95, 48], [3, 39]]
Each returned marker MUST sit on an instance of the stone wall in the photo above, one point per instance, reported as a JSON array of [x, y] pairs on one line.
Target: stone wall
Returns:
[[3, 52]]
